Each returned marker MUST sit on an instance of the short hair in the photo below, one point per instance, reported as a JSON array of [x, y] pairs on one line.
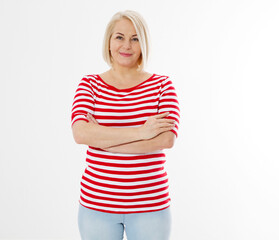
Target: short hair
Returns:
[[141, 30]]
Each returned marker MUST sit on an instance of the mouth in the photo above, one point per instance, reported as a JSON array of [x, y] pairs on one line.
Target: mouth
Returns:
[[125, 54]]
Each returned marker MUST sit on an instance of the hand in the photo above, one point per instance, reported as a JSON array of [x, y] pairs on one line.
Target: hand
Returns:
[[91, 119], [155, 125]]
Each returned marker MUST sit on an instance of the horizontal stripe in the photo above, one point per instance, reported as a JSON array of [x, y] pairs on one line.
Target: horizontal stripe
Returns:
[[107, 161], [141, 109], [144, 94], [98, 194], [134, 155], [127, 167], [125, 176], [120, 186], [124, 210], [122, 182], [113, 189], [108, 155], [127, 173], [124, 206], [126, 202], [124, 194]]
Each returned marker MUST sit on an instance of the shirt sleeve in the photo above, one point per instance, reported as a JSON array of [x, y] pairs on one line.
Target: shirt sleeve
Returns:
[[83, 102], [168, 102]]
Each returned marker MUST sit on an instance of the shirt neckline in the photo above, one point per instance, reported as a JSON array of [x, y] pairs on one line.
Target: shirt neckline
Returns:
[[124, 89]]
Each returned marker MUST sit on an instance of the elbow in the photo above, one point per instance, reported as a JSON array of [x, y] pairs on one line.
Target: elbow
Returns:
[[77, 137], [169, 143], [78, 129], [81, 135]]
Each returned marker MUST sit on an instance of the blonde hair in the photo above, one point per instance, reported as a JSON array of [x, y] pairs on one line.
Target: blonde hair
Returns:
[[141, 30]]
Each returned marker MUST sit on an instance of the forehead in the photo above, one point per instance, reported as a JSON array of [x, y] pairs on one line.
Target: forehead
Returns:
[[124, 26]]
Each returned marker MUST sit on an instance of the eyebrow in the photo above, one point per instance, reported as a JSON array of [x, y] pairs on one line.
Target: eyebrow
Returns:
[[123, 34]]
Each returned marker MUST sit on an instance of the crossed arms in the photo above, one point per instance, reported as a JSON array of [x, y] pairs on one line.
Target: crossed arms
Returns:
[[154, 135]]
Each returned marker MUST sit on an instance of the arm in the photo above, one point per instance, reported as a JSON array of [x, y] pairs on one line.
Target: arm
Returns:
[[93, 134], [100, 136], [162, 141]]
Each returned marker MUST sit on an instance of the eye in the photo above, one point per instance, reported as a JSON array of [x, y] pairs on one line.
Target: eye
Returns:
[[119, 37], [135, 39]]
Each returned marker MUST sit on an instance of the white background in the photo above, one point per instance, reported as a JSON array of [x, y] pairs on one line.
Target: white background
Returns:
[[223, 59]]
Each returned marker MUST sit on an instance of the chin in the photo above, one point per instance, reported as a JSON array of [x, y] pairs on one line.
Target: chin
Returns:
[[129, 65]]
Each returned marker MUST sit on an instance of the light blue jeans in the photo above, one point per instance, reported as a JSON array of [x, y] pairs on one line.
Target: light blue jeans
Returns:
[[97, 225]]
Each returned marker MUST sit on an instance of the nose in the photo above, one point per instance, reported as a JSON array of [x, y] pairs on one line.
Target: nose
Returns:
[[127, 44]]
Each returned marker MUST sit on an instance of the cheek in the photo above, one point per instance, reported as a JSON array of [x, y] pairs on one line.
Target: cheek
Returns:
[[137, 49], [113, 45]]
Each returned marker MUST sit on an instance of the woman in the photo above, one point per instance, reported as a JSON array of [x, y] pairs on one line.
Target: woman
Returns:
[[127, 117]]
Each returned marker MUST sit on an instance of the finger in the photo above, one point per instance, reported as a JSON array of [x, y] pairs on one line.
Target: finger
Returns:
[[164, 129], [166, 125], [94, 120], [91, 118], [161, 115], [165, 120]]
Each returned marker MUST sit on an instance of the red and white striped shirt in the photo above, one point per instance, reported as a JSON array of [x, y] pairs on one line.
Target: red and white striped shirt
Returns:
[[120, 182]]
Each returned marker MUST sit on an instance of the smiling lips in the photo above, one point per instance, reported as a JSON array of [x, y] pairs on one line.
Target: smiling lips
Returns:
[[125, 54]]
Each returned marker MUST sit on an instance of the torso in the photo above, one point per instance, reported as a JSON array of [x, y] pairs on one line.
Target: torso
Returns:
[[126, 182], [124, 84]]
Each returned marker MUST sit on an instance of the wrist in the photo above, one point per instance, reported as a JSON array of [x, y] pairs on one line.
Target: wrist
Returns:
[[138, 132]]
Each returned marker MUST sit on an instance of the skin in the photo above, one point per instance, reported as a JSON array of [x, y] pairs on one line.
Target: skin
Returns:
[[124, 40]]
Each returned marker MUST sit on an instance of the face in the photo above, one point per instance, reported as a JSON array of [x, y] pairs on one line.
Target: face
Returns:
[[124, 44]]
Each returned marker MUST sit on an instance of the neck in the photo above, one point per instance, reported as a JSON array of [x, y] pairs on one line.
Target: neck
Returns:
[[124, 72]]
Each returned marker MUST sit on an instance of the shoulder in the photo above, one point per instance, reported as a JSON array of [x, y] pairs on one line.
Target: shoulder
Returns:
[[161, 76], [166, 83], [164, 79], [88, 81], [90, 78]]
